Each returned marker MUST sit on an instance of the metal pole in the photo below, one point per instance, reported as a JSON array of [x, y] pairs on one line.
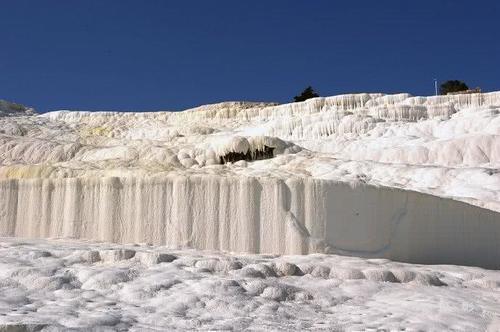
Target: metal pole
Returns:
[[436, 86]]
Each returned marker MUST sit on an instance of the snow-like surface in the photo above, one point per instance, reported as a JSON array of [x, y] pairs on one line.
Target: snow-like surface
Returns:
[[342, 178], [78, 286], [448, 146], [414, 179]]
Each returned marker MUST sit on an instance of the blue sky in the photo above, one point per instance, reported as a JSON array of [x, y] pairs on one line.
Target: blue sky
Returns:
[[170, 55]]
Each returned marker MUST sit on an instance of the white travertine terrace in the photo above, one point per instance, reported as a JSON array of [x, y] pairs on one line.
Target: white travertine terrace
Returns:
[[408, 178]]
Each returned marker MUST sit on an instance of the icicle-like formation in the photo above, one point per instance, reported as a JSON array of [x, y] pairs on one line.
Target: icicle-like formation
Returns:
[[459, 131], [259, 177]]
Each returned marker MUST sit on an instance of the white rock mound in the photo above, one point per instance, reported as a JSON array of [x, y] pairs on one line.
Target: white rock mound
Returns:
[[396, 176]]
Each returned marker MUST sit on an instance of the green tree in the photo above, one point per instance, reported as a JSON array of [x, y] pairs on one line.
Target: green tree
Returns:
[[306, 94], [452, 86]]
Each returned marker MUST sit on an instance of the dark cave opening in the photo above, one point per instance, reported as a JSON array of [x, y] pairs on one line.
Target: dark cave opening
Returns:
[[231, 157]]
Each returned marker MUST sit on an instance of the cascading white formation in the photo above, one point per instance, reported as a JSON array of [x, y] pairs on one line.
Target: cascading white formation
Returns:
[[343, 178]]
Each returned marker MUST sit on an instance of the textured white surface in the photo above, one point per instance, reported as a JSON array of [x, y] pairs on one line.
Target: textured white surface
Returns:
[[448, 146], [157, 177], [82, 286], [257, 215]]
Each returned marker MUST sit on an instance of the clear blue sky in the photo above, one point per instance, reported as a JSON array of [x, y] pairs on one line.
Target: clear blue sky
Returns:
[[151, 54]]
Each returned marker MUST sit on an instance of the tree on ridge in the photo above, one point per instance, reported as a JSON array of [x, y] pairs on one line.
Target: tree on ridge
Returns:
[[306, 94], [452, 86]]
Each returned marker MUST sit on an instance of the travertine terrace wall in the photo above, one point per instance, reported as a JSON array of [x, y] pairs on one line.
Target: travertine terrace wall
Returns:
[[257, 215]]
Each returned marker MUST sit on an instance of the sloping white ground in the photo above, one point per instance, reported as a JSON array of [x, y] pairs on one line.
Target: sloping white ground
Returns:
[[80, 286], [448, 146], [128, 176]]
